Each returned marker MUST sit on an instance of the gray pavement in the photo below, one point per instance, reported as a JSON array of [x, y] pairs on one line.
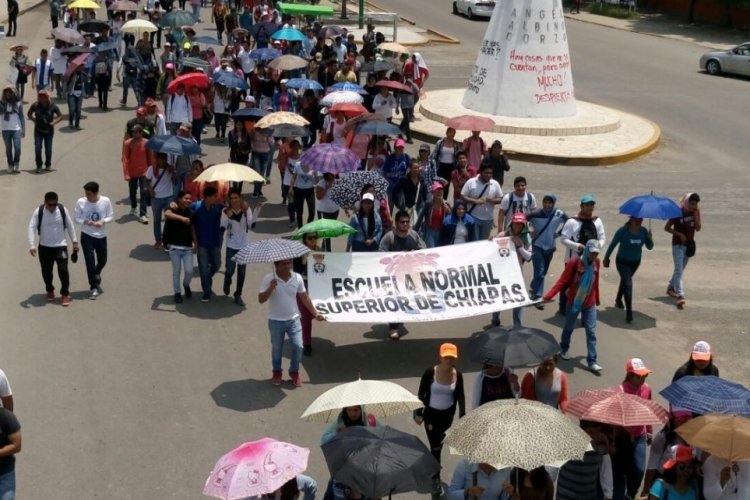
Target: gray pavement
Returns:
[[130, 397]]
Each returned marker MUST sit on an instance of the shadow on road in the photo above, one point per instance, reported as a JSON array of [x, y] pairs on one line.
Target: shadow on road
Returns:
[[219, 308], [247, 395], [146, 253], [40, 299], [616, 319]]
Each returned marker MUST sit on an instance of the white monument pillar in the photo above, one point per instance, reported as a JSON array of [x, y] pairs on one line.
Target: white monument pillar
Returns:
[[523, 66]]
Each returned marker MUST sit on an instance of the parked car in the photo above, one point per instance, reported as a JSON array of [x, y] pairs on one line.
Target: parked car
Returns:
[[474, 8], [736, 60]]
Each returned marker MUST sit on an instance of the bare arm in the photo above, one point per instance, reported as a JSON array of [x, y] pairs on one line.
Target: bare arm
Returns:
[[7, 402], [13, 447], [310, 307], [264, 296]]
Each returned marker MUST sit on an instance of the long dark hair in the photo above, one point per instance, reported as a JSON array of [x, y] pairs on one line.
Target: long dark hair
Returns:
[[539, 478], [370, 216], [348, 422], [692, 369]]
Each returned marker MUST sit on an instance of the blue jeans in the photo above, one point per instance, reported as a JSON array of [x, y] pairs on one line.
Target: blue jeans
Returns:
[[8, 486], [588, 315], [74, 110], [138, 184], [540, 259], [680, 263], [196, 11], [229, 272], [258, 163], [482, 229], [431, 237], [95, 255], [158, 206], [127, 82], [46, 140], [209, 262], [12, 140], [307, 486], [181, 258], [292, 328], [179, 182]]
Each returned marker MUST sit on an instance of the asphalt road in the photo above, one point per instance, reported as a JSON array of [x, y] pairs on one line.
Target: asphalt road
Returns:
[[130, 397]]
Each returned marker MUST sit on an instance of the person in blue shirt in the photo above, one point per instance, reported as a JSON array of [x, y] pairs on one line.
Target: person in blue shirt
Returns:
[[395, 167], [546, 223], [207, 234], [631, 237]]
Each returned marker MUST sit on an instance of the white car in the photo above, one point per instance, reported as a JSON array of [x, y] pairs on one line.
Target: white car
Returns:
[[736, 60], [474, 8]]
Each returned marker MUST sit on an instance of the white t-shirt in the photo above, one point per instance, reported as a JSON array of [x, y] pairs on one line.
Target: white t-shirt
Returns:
[[282, 304], [738, 486], [237, 230], [13, 123], [5, 389], [101, 210], [462, 233], [570, 234], [473, 188], [325, 204], [336, 130], [305, 178], [384, 105], [513, 203], [247, 62], [164, 188]]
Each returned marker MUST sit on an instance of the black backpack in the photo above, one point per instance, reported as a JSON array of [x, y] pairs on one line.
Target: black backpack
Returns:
[[40, 214]]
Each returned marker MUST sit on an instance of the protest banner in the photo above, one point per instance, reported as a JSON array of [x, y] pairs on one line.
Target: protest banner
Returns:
[[426, 285]]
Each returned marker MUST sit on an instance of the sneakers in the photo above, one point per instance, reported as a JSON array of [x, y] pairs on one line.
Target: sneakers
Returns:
[[238, 300], [38, 170], [295, 379], [276, 379], [595, 368], [619, 304], [66, 300], [50, 296], [680, 302], [134, 211], [393, 335], [671, 292], [93, 294], [564, 355], [177, 298], [206, 297], [188, 292], [143, 219], [307, 350]]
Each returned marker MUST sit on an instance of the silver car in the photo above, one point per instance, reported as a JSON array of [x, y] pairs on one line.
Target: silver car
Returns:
[[474, 8], [736, 60]]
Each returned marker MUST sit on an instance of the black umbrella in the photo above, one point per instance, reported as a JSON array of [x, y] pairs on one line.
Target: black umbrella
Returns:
[[514, 347], [76, 49], [253, 114], [377, 66], [268, 27], [346, 190], [380, 461], [331, 31], [93, 26]]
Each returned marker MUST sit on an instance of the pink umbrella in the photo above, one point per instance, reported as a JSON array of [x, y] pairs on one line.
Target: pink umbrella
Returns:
[[255, 468], [469, 122], [73, 65], [614, 407]]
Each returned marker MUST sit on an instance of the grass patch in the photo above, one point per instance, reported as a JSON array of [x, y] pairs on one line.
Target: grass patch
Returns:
[[617, 11]]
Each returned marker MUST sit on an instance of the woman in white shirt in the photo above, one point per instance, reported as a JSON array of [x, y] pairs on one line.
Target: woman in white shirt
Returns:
[[221, 110], [384, 104], [161, 181], [14, 128], [302, 189], [237, 219], [327, 209]]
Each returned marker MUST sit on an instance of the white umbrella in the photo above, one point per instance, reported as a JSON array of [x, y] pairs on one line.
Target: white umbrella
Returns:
[[341, 96], [233, 172], [139, 26], [517, 433], [382, 399]]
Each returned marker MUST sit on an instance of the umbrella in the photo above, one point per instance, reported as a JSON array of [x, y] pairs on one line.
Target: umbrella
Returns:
[[269, 251], [76, 63], [469, 122], [124, 6], [282, 117], [329, 228], [24, 47], [249, 114], [726, 436], [175, 145], [341, 96], [380, 461], [139, 26], [199, 80], [177, 18], [375, 127], [289, 130], [358, 120], [195, 62], [240, 32], [83, 4], [67, 35], [230, 80], [395, 86], [265, 54], [513, 347], [331, 31], [232, 172], [349, 108], [103, 47], [650, 206], [345, 190], [377, 66], [303, 84], [381, 397], [269, 28], [289, 34], [708, 394], [517, 433], [614, 407], [352, 87], [288, 63], [208, 40], [77, 49], [255, 468], [393, 47], [330, 158], [93, 26]]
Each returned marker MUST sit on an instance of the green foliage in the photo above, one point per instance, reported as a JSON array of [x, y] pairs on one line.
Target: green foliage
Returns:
[[617, 11]]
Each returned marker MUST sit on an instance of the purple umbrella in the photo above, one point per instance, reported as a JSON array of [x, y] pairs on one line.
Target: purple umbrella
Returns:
[[330, 158]]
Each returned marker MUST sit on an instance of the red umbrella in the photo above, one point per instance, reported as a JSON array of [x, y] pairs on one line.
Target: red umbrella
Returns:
[[199, 80], [614, 407], [76, 63], [393, 85], [349, 108], [469, 122]]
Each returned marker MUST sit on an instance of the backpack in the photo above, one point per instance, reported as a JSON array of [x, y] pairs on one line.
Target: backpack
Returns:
[[587, 231], [40, 214], [100, 68]]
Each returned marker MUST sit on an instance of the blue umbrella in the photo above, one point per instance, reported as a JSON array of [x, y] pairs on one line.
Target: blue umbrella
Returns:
[[249, 114], [266, 54], [376, 127], [231, 80], [174, 145], [268, 27], [303, 84], [651, 206], [352, 87], [208, 40], [708, 394], [289, 34]]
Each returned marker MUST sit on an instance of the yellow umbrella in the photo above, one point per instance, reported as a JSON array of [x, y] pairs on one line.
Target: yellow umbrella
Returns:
[[84, 4], [726, 436], [393, 47], [233, 172], [138, 26], [280, 118]]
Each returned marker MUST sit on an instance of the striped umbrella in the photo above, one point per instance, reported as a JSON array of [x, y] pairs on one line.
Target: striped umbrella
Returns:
[[614, 407], [330, 158], [269, 251], [708, 394]]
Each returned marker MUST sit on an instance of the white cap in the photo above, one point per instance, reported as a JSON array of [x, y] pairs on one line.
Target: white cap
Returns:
[[249, 98], [368, 196]]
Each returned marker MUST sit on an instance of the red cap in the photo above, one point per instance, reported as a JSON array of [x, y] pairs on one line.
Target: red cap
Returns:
[[637, 366], [679, 453], [519, 217], [701, 351]]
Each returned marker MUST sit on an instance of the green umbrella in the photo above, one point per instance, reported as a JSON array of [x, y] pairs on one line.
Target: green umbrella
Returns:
[[325, 228], [176, 18], [195, 62]]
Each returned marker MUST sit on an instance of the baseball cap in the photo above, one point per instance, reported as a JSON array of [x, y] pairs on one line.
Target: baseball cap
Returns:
[[448, 349], [593, 246], [249, 98], [368, 196], [701, 351], [186, 126], [637, 366], [424, 147], [400, 143], [519, 217], [588, 198], [679, 453], [169, 66], [436, 186]]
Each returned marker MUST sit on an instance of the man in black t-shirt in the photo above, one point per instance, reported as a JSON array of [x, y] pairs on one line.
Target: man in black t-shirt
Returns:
[[10, 444], [45, 115]]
